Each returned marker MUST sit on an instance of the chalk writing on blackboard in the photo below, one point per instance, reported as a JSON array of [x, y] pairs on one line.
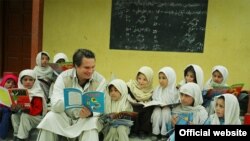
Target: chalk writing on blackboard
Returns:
[[158, 25]]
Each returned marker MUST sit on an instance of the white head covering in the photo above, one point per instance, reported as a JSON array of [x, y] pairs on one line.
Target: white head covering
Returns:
[[199, 112], [232, 110], [59, 56], [36, 90], [168, 95], [42, 72], [142, 94], [198, 73], [223, 70], [122, 104]]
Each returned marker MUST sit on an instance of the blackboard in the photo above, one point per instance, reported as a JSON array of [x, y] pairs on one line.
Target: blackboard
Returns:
[[158, 25]]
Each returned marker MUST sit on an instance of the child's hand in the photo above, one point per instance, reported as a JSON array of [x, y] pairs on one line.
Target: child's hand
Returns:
[[85, 112], [174, 120]]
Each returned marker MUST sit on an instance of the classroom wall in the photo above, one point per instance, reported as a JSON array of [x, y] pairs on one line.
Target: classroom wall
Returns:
[[72, 24]]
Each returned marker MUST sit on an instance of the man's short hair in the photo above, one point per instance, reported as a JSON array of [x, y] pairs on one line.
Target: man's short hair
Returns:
[[80, 54]]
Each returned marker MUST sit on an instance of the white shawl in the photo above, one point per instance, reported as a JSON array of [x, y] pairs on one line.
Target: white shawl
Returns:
[[199, 112], [223, 70], [168, 95], [36, 90], [142, 94], [59, 56], [122, 104], [42, 72], [231, 113]]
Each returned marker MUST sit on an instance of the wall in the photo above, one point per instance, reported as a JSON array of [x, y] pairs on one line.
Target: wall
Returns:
[[69, 25]]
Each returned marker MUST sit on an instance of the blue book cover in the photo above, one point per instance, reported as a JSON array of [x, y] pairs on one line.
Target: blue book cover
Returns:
[[75, 98], [184, 118]]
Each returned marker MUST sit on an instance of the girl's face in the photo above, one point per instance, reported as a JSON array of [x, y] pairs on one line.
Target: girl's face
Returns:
[[220, 107], [28, 82], [187, 100], [10, 83], [190, 77], [44, 60], [142, 80], [114, 93], [217, 77], [163, 80]]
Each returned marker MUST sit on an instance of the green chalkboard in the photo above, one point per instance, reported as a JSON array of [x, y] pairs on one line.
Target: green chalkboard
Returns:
[[158, 25]]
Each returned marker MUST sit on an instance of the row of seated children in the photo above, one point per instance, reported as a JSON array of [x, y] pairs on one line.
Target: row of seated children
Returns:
[[23, 120], [141, 90]]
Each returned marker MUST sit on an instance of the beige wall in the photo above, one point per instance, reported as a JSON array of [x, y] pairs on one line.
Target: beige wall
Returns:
[[72, 24]]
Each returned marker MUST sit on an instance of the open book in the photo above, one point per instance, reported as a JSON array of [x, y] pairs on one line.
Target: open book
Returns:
[[233, 89], [60, 67], [184, 118], [157, 103], [14, 96], [75, 98], [115, 119]]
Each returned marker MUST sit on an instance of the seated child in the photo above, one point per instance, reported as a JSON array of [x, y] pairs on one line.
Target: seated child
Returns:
[[116, 101], [166, 93], [44, 72], [218, 79], [227, 111], [23, 120], [191, 100], [192, 73], [9, 81]]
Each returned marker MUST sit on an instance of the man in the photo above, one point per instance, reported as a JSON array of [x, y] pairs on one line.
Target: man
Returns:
[[75, 122]]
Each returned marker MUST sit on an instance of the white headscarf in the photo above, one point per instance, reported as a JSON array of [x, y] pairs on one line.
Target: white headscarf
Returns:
[[59, 56], [122, 104], [168, 95], [199, 112], [223, 70], [198, 73], [231, 113], [142, 94], [42, 72], [36, 90]]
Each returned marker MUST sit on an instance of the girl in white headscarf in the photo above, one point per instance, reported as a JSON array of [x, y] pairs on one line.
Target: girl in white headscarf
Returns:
[[227, 111], [192, 73], [42, 68], [141, 90], [166, 93], [44, 72], [26, 119], [116, 101], [218, 79], [191, 100]]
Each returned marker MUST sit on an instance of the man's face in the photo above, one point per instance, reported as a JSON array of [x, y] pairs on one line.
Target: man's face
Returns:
[[86, 69]]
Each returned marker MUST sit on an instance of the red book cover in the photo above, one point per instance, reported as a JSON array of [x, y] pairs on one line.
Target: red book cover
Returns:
[[20, 97]]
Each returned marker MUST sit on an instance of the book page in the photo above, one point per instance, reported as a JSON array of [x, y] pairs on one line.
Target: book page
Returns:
[[94, 101], [5, 97], [72, 98]]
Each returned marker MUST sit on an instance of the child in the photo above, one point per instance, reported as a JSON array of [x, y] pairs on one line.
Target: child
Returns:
[[166, 92], [116, 101], [58, 58], [23, 120], [44, 72], [141, 90], [191, 100], [218, 79], [227, 111], [9, 81], [192, 73]]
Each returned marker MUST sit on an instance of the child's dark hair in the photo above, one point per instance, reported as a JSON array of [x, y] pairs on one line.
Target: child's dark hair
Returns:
[[190, 69], [45, 55], [221, 97], [81, 53]]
